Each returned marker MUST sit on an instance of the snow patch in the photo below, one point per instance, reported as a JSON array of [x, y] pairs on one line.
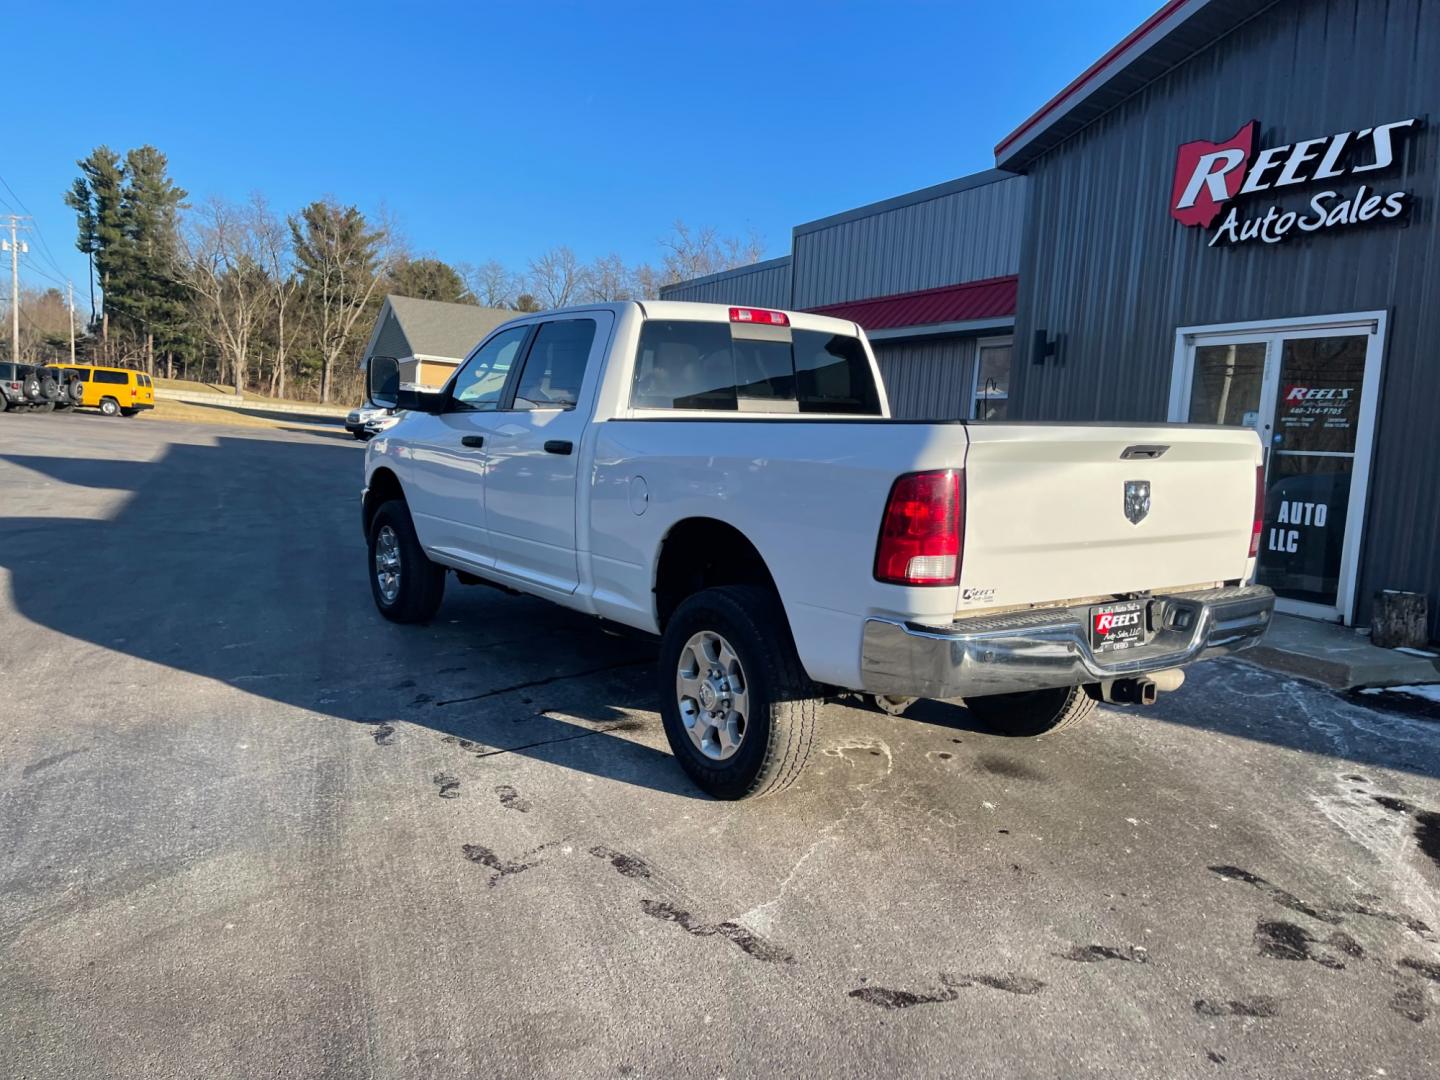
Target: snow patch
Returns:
[[1430, 692]]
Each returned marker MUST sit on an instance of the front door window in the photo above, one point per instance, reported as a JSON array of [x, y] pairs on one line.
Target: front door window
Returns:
[[1227, 384], [1303, 391]]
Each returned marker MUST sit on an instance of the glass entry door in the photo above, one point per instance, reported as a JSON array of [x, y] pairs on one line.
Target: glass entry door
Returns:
[[1308, 392]]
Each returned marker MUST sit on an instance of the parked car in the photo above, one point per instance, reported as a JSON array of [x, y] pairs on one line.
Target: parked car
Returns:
[[115, 391], [52, 393], [20, 387], [357, 419], [730, 479], [384, 422]]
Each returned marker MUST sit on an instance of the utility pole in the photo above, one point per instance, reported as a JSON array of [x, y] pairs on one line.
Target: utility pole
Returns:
[[70, 296], [14, 245]]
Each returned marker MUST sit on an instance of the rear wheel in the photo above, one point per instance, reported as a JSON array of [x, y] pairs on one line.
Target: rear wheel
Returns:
[[1032, 712], [406, 585], [738, 710], [109, 406]]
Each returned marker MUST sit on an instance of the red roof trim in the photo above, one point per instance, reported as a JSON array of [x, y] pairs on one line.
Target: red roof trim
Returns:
[[1089, 73], [988, 299]]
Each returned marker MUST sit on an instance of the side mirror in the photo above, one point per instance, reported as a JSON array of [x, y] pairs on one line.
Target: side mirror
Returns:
[[415, 401], [383, 381]]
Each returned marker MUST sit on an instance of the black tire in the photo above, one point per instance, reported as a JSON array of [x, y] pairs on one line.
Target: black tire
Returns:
[[50, 389], [77, 392], [4, 403], [31, 388], [109, 406], [421, 582], [1033, 712], [783, 703]]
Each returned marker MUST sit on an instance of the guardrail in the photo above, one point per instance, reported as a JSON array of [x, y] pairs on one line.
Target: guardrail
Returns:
[[236, 401]]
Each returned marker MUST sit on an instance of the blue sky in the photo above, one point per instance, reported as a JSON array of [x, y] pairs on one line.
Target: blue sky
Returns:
[[498, 130]]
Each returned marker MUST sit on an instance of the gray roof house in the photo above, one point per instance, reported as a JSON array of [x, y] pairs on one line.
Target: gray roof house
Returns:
[[429, 338]]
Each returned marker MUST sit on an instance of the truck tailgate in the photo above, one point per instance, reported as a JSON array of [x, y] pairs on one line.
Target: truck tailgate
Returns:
[[1046, 510]]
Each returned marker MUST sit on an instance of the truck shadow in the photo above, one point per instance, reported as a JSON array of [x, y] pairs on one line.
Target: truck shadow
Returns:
[[243, 562]]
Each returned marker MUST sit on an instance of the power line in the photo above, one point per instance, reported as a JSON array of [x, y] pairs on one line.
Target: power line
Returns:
[[34, 227]]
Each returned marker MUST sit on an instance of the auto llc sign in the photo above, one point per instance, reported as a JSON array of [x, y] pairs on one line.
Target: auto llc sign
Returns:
[[1215, 178]]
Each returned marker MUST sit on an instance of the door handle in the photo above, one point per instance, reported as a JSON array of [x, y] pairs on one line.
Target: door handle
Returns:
[[559, 446], [472, 440]]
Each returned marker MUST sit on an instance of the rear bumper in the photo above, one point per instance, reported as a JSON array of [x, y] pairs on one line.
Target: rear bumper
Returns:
[[1033, 650]]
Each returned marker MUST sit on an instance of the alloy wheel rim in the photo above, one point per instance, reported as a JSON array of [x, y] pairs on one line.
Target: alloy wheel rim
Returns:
[[387, 564], [713, 694]]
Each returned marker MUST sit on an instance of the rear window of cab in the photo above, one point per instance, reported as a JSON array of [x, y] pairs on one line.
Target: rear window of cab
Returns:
[[709, 366]]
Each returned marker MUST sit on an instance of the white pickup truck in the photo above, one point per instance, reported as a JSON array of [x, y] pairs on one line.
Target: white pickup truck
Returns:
[[731, 480]]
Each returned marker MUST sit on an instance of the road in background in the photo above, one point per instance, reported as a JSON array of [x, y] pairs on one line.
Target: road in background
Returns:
[[251, 829]]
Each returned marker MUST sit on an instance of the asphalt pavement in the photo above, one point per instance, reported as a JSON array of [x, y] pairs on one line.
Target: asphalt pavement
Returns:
[[249, 829]]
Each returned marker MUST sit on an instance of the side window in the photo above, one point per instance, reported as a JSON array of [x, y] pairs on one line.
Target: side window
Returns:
[[112, 377], [832, 375], [555, 366], [480, 382], [684, 365], [992, 379]]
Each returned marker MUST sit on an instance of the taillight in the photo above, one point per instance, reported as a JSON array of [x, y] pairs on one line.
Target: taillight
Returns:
[[759, 315], [922, 528], [1259, 511]]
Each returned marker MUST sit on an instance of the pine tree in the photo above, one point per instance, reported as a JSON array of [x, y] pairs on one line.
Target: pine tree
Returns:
[[428, 279], [146, 281], [96, 197], [341, 263]]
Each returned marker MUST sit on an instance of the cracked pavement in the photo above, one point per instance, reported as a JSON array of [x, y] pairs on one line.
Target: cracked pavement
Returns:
[[250, 829]]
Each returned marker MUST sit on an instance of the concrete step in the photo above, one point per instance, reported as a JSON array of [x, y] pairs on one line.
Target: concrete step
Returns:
[[1338, 656]]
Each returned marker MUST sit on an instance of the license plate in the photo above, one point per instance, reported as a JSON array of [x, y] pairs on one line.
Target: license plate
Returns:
[[1115, 627]]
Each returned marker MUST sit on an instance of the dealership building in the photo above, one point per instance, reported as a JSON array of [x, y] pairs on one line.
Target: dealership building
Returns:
[[1228, 218]]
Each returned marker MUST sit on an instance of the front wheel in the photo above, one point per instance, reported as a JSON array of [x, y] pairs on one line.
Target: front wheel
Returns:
[[406, 585], [738, 710], [1032, 712], [110, 407]]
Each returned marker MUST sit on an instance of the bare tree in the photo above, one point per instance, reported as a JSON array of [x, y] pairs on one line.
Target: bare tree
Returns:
[[277, 259], [490, 283], [224, 268], [44, 324], [695, 252], [556, 277], [608, 278], [646, 282]]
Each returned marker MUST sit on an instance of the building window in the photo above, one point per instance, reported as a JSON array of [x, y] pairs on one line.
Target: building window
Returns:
[[992, 378]]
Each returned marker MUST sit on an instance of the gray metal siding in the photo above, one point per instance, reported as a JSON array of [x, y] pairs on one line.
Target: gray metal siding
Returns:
[[1108, 269], [928, 380], [964, 236], [765, 284]]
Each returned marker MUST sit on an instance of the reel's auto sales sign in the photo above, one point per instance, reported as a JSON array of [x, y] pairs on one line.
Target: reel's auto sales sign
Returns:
[[1211, 176]]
